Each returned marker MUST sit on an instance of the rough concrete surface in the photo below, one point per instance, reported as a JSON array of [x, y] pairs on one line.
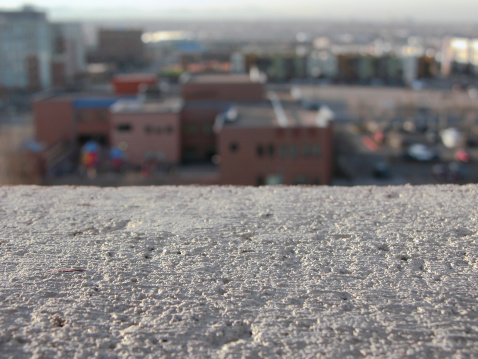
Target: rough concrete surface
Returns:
[[228, 272]]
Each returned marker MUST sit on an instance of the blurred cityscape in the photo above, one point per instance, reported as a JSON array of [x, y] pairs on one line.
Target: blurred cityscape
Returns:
[[236, 102]]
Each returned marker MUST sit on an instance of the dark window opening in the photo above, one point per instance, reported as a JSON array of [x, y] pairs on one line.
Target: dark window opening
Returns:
[[207, 128], [191, 154], [169, 129], [234, 147], [283, 151], [306, 150], [260, 181], [272, 150], [210, 152], [148, 129], [124, 127], [260, 150], [191, 128], [159, 129], [316, 150]]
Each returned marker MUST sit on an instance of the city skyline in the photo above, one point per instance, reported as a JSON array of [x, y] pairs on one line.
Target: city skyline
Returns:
[[425, 10]]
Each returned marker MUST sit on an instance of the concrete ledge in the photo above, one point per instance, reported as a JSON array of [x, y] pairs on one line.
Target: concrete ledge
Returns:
[[238, 272]]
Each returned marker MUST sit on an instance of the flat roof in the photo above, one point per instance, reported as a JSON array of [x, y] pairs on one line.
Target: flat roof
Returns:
[[135, 106], [134, 77], [285, 114], [219, 78], [78, 96], [93, 103]]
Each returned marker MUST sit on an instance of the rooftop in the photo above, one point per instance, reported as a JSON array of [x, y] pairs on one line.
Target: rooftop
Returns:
[[219, 78], [239, 272], [273, 114], [163, 105], [80, 96], [134, 77]]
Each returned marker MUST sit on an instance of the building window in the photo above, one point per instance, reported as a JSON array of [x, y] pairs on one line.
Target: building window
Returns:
[[293, 151], [233, 147], [159, 129], [306, 150], [148, 129], [191, 128], [124, 127], [260, 150], [283, 151], [207, 128], [274, 179], [169, 129], [191, 153], [260, 181], [272, 150], [316, 150], [210, 152]]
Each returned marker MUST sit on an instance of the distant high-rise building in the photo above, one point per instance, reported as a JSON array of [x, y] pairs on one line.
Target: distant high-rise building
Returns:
[[69, 55], [25, 49]]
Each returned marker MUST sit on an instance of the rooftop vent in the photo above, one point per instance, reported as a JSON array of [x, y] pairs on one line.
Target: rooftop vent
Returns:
[[231, 114]]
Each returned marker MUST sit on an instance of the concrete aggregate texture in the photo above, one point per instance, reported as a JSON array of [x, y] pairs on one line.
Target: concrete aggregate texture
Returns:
[[238, 272]]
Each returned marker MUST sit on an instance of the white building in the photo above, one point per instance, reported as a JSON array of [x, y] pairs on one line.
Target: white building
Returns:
[[25, 49], [69, 51]]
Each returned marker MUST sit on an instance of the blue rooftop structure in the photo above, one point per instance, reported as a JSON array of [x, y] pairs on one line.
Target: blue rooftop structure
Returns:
[[94, 103]]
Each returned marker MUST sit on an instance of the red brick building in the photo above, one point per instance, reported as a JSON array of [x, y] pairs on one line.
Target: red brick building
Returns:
[[259, 140], [72, 118], [274, 143], [131, 84], [222, 87], [147, 130], [123, 47], [205, 96]]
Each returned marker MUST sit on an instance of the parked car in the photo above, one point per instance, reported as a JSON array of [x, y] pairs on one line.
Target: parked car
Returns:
[[420, 152]]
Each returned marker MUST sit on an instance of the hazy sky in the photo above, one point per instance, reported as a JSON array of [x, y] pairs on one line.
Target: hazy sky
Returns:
[[443, 10]]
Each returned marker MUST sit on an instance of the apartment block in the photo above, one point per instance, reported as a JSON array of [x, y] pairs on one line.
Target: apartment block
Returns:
[[69, 54], [25, 49]]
